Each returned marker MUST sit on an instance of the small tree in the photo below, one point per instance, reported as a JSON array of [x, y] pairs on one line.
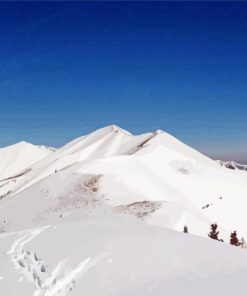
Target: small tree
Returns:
[[234, 239], [186, 230], [213, 234]]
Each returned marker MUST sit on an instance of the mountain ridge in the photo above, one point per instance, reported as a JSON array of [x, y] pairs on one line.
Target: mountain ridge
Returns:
[[106, 211], [148, 167]]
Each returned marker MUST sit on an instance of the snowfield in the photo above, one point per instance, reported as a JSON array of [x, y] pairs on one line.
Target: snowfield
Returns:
[[99, 216]]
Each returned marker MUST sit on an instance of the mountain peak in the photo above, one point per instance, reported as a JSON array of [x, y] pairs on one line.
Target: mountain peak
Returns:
[[159, 132], [113, 127], [17, 145]]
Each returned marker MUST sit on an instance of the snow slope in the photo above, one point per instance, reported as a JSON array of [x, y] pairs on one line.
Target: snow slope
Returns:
[[16, 158], [98, 216], [185, 186], [113, 255]]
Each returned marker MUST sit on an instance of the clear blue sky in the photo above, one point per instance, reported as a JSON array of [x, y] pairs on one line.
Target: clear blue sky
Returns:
[[69, 68]]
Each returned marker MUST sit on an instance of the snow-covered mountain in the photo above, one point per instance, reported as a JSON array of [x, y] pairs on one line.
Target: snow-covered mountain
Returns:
[[233, 165], [16, 158], [78, 219]]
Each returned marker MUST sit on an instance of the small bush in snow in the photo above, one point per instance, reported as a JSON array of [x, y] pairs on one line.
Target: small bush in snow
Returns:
[[234, 239], [186, 230], [213, 234]]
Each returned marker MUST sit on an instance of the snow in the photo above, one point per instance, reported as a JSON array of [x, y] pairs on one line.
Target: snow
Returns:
[[114, 255], [18, 157], [100, 213], [192, 188], [233, 165]]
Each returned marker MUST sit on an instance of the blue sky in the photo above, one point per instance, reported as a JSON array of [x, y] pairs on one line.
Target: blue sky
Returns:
[[69, 68]]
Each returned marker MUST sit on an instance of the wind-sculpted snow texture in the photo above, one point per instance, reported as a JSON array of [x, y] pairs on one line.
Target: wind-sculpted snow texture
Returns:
[[97, 217]]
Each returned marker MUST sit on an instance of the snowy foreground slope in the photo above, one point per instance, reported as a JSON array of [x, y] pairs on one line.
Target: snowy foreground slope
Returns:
[[116, 256], [97, 217]]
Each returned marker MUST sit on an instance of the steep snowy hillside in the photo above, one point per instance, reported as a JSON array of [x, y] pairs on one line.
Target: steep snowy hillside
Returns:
[[152, 176], [94, 216], [16, 158]]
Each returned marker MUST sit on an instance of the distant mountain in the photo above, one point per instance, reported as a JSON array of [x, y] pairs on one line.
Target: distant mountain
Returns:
[[99, 214], [233, 165], [18, 157]]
